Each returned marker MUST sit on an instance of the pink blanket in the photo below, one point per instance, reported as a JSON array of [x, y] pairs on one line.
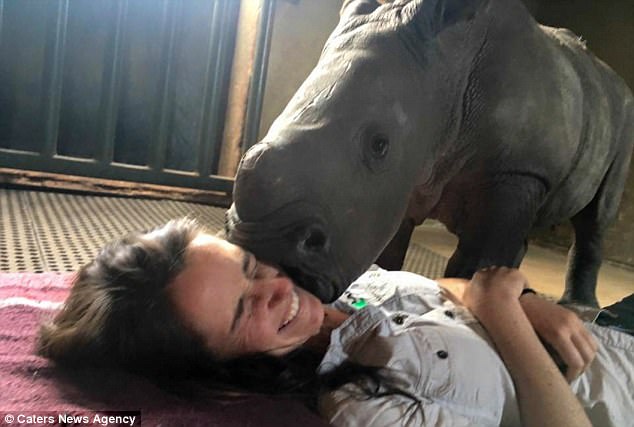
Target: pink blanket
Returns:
[[30, 384]]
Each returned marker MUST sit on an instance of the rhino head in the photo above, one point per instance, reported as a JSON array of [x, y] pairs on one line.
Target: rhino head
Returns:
[[325, 190]]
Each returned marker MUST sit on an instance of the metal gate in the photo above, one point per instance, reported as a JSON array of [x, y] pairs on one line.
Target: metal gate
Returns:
[[131, 90]]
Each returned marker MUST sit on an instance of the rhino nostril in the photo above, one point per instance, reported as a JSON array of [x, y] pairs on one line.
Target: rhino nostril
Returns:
[[315, 240]]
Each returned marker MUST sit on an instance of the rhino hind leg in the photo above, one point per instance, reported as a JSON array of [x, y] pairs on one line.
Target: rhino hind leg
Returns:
[[584, 259], [586, 252]]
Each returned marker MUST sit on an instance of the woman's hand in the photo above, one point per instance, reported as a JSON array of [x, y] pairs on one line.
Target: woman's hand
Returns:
[[453, 289], [564, 331], [544, 397], [557, 326], [493, 287]]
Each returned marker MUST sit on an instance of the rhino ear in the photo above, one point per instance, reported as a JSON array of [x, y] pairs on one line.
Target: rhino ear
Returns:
[[436, 15], [358, 7]]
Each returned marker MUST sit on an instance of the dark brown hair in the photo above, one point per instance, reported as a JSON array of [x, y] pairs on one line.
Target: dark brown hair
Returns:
[[118, 312], [119, 315]]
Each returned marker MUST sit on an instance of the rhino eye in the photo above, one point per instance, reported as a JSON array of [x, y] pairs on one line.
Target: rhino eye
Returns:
[[375, 148], [379, 146]]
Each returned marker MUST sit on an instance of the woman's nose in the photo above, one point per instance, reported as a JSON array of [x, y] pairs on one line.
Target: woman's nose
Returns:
[[272, 291], [265, 271]]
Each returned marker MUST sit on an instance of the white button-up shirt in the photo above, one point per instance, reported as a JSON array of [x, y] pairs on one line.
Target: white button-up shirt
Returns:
[[440, 354]]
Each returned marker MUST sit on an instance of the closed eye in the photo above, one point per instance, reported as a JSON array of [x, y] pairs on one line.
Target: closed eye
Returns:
[[238, 314], [249, 265], [249, 268]]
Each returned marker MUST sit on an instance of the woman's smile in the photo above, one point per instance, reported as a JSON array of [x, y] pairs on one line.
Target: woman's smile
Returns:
[[239, 305], [294, 309]]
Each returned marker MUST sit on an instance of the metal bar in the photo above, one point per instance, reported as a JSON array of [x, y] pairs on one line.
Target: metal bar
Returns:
[[213, 75], [54, 92], [1, 19], [112, 86], [133, 173], [258, 81], [203, 138], [248, 25], [158, 153]]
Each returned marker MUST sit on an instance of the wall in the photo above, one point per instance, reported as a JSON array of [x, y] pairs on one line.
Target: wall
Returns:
[[302, 26], [300, 30]]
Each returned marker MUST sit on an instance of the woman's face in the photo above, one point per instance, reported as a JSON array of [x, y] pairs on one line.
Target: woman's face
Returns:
[[240, 305]]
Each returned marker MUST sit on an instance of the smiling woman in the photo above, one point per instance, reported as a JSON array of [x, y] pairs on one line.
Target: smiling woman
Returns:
[[179, 303], [239, 305]]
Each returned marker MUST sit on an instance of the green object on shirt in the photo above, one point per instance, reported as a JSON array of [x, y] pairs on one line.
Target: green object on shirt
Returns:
[[360, 303]]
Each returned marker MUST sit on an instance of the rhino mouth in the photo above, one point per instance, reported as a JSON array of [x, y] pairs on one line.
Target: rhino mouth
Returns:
[[274, 242], [320, 286]]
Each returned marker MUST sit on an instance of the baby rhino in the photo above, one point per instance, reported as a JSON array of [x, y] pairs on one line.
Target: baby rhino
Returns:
[[467, 111]]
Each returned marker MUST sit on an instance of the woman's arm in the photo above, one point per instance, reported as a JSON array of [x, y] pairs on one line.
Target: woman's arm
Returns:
[[556, 326], [563, 331], [544, 396]]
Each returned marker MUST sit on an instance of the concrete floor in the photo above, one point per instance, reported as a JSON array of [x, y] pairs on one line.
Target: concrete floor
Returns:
[[544, 267]]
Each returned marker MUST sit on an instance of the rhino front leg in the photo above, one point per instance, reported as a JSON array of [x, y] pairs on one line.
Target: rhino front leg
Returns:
[[393, 255], [467, 258], [495, 228]]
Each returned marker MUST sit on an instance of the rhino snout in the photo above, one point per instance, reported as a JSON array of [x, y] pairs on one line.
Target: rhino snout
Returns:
[[263, 183], [302, 248], [252, 156]]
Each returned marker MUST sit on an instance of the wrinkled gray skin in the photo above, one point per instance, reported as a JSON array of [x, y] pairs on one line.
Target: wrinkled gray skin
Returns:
[[467, 111]]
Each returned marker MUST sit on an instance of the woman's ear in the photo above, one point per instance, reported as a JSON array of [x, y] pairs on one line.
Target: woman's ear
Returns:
[[358, 7]]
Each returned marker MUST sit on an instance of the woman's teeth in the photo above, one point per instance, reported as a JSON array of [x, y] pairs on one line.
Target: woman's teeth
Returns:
[[293, 311]]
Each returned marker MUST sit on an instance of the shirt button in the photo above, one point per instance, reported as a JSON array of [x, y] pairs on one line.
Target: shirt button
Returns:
[[399, 319], [449, 314], [442, 354]]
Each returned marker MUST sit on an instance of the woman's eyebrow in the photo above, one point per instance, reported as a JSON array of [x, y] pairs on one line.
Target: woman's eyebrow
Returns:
[[246, 263]]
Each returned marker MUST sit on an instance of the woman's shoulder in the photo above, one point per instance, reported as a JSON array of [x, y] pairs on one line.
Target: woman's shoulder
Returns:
[[392, 290], [425, 356]]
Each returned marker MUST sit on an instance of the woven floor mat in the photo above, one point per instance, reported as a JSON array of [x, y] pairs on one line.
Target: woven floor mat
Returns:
[[45, 231]]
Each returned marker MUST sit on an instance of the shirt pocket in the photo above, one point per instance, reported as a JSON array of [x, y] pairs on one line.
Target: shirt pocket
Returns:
[[413, 356], [434, 379]]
